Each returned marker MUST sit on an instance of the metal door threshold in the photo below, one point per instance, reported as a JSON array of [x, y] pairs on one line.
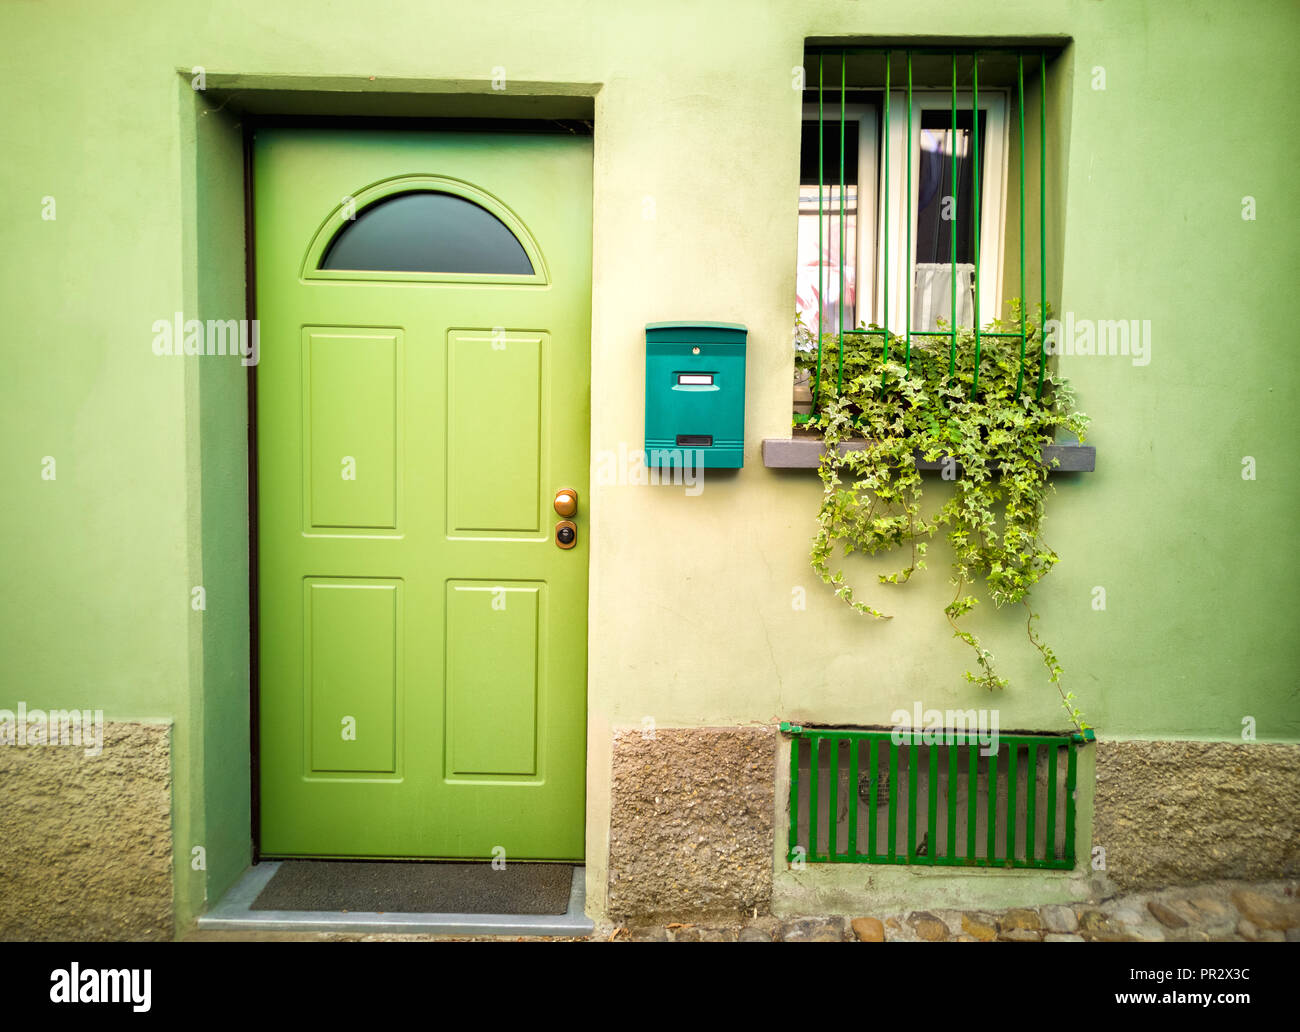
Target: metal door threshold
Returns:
[[233, 913]]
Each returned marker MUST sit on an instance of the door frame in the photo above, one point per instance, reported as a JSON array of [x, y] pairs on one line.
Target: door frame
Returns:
[[251, 124]]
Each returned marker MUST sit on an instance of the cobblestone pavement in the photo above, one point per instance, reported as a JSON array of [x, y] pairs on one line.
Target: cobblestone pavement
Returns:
[[1210, 912], [1224, 911]]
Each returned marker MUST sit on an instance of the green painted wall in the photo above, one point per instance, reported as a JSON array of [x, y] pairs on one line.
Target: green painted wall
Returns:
[[691, 606], [213, 153]]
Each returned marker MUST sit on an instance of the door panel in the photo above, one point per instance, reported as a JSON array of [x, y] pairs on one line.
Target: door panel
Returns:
[[351, 387], [422, 640], [352, 658], [510, 501], [492, 678]]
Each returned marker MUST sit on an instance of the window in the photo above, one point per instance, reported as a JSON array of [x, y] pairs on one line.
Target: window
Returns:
[[938, 211], [915, 171], [427, 231], [935, 211], [820, 263]]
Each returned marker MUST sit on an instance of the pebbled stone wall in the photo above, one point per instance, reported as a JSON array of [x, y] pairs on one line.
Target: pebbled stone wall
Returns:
[[1173, 813], [692, 822], [85, 841]]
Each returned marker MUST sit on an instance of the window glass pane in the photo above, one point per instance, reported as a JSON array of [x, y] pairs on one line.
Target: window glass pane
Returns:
[[427, 232], [831, 156], [935, 209], [828, 258]]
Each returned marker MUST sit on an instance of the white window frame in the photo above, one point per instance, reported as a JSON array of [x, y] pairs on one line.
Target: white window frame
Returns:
[[994, 144], [868, 200]]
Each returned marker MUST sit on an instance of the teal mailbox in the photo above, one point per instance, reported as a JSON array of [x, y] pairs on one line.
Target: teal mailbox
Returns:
[[695, 394]]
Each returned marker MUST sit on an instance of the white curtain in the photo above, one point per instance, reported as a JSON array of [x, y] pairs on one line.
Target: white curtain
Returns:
[[932, 296]]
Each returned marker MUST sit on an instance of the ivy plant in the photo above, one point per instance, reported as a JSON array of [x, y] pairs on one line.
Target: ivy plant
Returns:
[[987, 432]]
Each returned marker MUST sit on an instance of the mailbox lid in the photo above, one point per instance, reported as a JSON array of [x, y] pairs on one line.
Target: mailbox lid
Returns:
[[695, 333]]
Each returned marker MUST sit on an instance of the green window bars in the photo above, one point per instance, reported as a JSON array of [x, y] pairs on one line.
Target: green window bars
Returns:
[[958, 800], [1013, 66]]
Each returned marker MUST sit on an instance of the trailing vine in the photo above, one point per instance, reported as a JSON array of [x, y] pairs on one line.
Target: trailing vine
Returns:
[[987, 435]]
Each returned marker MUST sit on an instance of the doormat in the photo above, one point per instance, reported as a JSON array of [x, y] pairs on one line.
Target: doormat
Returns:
[[417, 888]]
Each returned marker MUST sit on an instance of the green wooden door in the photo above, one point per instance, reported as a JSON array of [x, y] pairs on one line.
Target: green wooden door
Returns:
[[422, 395]]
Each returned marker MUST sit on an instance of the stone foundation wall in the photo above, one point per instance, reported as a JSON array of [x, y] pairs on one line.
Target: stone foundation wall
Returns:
[[85, 841], [693, 815], [1173, 813], [692, 822]]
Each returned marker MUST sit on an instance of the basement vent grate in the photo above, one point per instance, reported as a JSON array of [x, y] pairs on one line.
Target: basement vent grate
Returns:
[[937, 797]]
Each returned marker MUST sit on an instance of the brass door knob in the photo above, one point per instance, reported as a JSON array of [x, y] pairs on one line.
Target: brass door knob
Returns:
[[566, 502]]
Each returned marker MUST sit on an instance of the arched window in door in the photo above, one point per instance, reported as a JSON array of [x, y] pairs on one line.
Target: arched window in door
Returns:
[[427, 231]]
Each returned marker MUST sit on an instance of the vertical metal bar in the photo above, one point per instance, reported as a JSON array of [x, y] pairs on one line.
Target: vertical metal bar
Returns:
[[833, 799], [893, 800], [913, 761], [1024, 301], [839, 381], [1071, 772], [1031, 802], [854, 743], [950, 849], [907, 214], [1052, 752], [975, 198], [821, 212], [932, 807], [952, 355], [991, 808], [885, 278], [873, 759], [814, 775], [1042, 220], [972, 780], [794, 796], [1012, 775]]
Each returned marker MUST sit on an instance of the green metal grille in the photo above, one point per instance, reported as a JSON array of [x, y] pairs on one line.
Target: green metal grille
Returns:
[[969, 58], [932, 798]]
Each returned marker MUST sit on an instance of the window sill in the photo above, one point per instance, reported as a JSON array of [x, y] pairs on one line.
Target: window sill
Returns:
[[804, 452]]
